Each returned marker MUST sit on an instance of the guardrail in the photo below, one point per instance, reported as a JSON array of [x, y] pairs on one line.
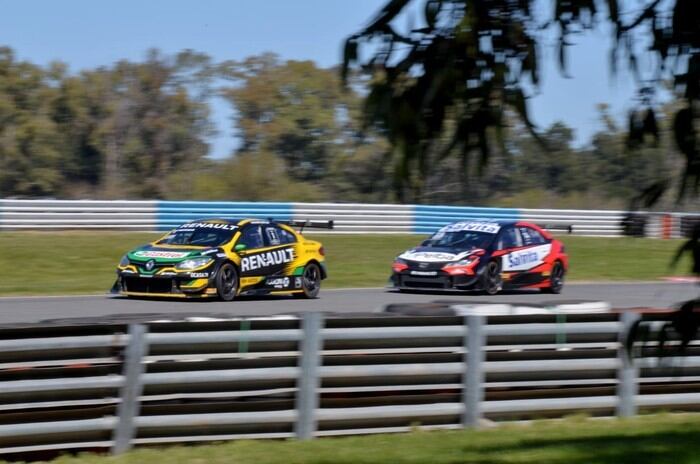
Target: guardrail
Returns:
[[348, 218], [115, 386]]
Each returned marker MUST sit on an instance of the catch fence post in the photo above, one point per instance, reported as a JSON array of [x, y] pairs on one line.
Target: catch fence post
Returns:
[[473, 377], [308, 382], [627, 374], [128, 409]]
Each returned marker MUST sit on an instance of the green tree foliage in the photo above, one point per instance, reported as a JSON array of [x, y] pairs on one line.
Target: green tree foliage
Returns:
[[260, 176], [132, 125], [454, 76], [30, 148], [290, 109], [110, 132], [299, 113]]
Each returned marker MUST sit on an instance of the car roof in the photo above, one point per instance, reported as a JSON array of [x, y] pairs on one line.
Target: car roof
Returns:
[[500, 222], [234, 221]]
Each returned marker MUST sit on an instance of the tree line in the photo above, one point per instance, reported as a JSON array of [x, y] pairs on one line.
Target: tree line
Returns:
[[141, 130]]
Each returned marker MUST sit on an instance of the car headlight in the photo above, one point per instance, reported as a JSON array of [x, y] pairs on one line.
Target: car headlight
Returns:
[[124, 261], [193, 263], [400, 261], [465, 261]]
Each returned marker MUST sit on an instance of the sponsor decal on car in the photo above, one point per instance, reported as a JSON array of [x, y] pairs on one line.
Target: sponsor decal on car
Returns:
[[267, 259], [427, 256], [472, 226], [278, 282], [161, 254], [199, 274], [528, 258], [208, 225], [424, 273]]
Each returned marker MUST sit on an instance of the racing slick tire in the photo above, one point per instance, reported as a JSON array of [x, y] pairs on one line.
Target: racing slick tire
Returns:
[[310, 282], [227, 282], [556, 279], [492, 281]]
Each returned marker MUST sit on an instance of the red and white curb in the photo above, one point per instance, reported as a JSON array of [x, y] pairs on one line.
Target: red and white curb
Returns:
[[682, 280]]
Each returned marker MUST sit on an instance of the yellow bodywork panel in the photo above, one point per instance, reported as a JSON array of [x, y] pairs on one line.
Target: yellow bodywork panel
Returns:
[[277, 268]]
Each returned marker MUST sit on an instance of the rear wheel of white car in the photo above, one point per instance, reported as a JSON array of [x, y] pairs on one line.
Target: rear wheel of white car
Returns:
[[227, 282], [310, 281], [492, 280]]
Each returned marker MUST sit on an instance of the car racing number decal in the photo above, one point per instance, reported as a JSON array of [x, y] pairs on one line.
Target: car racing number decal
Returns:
[[528, 258], [266, 262]]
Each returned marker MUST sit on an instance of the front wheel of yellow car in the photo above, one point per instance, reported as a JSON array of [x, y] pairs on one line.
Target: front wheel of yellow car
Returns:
[[310, 281], [227, 282]]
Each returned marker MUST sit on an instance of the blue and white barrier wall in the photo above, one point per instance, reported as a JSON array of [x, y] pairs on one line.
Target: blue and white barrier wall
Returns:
[[348, 217], [171, 214], [77, 214], [427, 219]]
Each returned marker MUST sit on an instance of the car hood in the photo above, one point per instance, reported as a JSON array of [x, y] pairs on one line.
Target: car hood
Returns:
[[435, 254], [169, 255]]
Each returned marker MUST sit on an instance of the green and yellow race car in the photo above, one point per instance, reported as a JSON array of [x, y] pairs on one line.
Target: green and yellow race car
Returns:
[[226, 258]]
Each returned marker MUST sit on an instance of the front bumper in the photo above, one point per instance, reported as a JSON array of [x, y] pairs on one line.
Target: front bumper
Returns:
[[176, 286], [440, 281]]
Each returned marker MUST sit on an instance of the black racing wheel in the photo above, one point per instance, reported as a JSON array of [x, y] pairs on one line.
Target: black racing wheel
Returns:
[[556, 279], [492, 280], [227, 282], [310, 281]]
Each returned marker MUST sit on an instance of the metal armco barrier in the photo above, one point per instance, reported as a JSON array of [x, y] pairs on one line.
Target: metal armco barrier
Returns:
[[78, 214], [359, 218], [348, 217], [116, 386]]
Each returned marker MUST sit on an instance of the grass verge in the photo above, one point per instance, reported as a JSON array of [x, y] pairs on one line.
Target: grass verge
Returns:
[[650, 439], [53, 263]]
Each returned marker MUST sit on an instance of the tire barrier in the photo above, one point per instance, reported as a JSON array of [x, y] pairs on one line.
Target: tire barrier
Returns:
[[634, 225], [112, 386], [690, 225]]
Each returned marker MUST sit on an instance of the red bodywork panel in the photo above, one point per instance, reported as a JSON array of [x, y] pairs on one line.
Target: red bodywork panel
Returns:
[[557, 253]]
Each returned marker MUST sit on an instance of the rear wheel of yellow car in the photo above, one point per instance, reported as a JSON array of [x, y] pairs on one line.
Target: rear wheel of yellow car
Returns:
[[310, 281], [227, 282]]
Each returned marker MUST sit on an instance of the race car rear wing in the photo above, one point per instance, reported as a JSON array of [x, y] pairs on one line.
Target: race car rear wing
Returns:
[[568, 228], [308, 223]]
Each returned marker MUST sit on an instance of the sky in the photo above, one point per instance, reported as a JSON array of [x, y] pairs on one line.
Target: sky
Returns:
[[91, 33]]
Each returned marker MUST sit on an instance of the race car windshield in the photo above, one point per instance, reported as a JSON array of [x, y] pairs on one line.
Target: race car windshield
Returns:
[[462, 240], [197, 237]]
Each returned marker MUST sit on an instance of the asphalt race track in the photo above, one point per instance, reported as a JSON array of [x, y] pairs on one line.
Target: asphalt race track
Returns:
[[36, 309]]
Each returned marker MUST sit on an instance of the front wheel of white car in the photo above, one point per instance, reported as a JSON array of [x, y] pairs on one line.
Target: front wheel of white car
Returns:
[[492, 280]]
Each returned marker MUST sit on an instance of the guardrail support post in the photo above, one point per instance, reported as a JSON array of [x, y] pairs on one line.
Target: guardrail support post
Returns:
[[308, 382], [128, 409], [627, 388], [473, 377]]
